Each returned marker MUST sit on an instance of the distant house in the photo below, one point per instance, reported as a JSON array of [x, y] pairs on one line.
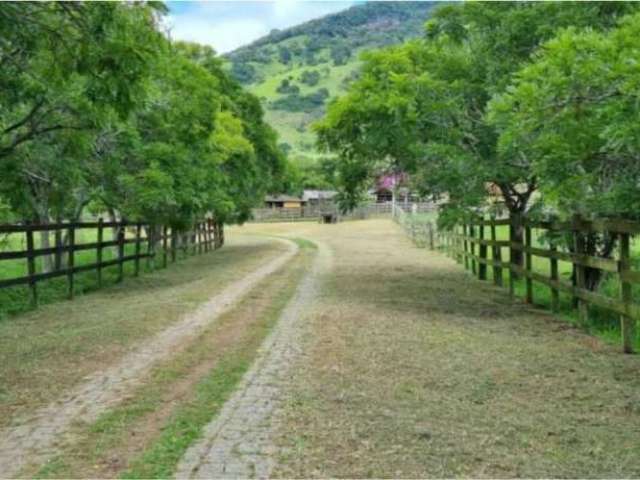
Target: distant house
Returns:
[[318, 197], [385, 185], [284, 201]]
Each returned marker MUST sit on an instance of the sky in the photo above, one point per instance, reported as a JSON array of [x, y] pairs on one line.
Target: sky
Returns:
[[226, 25]]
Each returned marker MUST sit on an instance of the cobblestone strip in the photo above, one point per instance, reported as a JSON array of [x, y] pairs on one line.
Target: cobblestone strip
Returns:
[[34, 439], [238, 442]]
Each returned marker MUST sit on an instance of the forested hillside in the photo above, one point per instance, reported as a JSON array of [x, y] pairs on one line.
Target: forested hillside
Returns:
[[101, 113], [295, 72]]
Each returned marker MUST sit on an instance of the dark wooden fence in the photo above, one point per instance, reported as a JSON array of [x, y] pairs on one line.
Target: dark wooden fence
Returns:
[[470, 244], [148, 242]]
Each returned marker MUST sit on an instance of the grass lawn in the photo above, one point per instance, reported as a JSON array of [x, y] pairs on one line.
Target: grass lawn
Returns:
[[602, 322], [415, 369], [46, 351], [17, 300]]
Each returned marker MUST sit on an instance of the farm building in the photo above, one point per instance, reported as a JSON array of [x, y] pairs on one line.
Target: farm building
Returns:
[[317, 197], [284, 201]]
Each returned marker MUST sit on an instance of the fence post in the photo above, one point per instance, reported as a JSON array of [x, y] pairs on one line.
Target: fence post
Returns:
[[214, 234], [174, 242], [120, 252], [528, 264], [431, 242], [583, 307], [221, 234], [472, 235], [137, 257], [58, 255], [71, 262], [205, 235], [466, 256], [482, 248], [555, 297], [31, 266], [496, 254], [511, 257], [165, 245], [627, 322], [99, 251]]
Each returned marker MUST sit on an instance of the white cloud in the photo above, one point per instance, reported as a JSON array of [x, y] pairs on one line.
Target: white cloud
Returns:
[[228, 25], [223, 36]]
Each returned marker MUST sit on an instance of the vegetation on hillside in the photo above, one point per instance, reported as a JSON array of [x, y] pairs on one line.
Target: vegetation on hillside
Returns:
[[296, 71], [96, 117]]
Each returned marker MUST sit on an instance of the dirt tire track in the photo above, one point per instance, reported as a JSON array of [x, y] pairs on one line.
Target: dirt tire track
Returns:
[[34, 440], [238, 442]]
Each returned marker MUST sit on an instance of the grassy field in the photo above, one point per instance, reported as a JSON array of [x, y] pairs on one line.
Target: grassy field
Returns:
[[46, 351], [602, 322], [18, 299], [415, 369]]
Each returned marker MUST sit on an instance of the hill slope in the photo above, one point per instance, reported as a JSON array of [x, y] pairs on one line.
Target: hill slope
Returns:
[[296, 71]]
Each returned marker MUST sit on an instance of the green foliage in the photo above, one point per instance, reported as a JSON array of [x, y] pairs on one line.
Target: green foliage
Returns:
[[422, 107], [284, 54], [301, 103], [340, 53], [244, 72], [573, 113], [95, 113], [286, 87], [310, 77], [343, 36]]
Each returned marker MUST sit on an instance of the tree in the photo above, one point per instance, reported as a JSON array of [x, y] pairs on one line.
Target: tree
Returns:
[[310, 77], [284, 54], [572, 115], [340, 53], [64, 64], [423, 105], [135, 125]]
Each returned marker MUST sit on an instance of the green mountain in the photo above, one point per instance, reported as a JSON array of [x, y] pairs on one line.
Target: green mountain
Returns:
[[295, 72]]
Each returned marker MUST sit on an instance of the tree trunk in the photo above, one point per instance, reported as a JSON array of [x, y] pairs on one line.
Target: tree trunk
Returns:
[[48, 261], [595, 245], [517, 236]]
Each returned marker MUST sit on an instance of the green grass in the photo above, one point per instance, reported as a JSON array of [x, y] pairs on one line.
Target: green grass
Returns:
[[16, 300], [160, 460], [601, 322], [46, 351]]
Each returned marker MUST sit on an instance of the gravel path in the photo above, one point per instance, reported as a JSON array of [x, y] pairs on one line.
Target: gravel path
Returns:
[[34, 440], [238, 442]]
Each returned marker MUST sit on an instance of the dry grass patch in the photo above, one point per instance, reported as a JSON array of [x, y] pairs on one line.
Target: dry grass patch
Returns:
[[415, 369], [45, 352]]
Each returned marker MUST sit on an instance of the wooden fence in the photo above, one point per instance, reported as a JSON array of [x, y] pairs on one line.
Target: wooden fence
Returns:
[[493, 244], [146, 240], [314, 212], [469, 244], [420, 229]]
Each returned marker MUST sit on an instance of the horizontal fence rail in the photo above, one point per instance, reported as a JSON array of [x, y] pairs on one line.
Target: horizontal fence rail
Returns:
[[481, 247], [316, 212], [470, 244], [144, 241]]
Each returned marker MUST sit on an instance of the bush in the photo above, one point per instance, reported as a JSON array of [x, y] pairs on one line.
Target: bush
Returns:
[[310, 77], [301, 103], [244, 72], [286, 87]]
